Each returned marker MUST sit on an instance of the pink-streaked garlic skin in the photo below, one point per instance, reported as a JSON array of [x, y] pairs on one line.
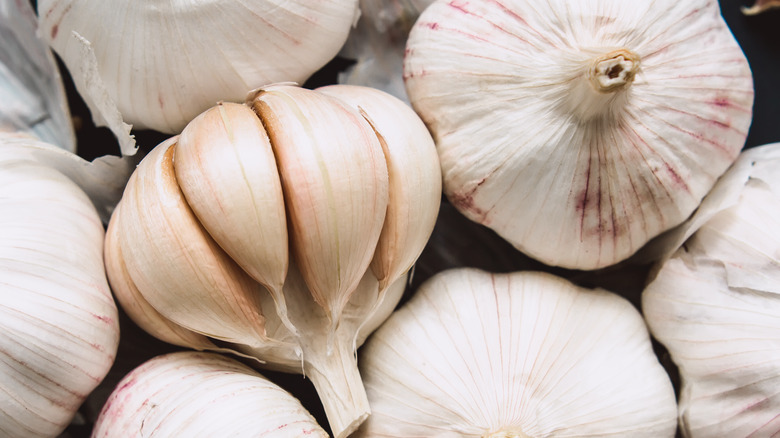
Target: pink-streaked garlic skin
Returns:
[[714, 305], [515, 355], [572, 176], [201, 395], [59, 323], [163, 63]]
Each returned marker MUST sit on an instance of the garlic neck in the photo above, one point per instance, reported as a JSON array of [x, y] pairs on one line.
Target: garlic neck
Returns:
[[613, 71], [600, 92], [506, 433]]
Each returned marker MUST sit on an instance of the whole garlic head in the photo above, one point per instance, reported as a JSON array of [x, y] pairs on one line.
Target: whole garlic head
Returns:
[[59, 328], [164, 62], [524, 354], [715, 304], [579, 130], [284, 233], [201, 395]]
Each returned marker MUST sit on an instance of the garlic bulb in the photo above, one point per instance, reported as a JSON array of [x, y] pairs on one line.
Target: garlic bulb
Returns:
[[715, 306], [201, 395], [163, 63], [284, 233], [524, 354], [59, 325], [579, 130]]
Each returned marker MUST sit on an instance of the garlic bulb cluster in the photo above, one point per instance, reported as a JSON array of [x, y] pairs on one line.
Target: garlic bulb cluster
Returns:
[[523, 354], [192, 394], [283, 231], [58, 331], [163, 63], [715, 306], [580, 130]]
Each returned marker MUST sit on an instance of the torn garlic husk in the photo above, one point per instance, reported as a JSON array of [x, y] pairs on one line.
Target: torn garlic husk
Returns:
[[522, 355], [31, 89], [201, 394], [579, 131], [715, 304], [59, 323], [164, 63], [377, 44], [283, 230], [760, 6]]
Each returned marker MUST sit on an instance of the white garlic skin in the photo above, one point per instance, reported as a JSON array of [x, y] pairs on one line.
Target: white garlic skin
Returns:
[[163, 63], [525, 354], [571, 175], [201, 395], [715, 304], [59, 326]]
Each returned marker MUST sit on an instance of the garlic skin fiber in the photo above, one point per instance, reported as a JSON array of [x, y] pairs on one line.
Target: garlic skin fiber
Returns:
[[192, 394], [163, 63], [524, 354], [282, 230], [59, 327], [715, 304], [578, 131]]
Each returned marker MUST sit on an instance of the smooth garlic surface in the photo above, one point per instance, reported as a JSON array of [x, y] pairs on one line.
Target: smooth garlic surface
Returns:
[[196, 394], [579, 130], [282, 230], [523, 355], [715, 304], [164, 62], [59, 327]]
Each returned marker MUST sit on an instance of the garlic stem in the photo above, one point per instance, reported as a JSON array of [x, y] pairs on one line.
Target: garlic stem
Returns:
[[504, 433], [613, 71], [335, 376]]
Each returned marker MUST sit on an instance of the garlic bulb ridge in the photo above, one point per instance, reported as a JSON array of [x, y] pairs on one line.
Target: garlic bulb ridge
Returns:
[[282, 229], [579, 131]]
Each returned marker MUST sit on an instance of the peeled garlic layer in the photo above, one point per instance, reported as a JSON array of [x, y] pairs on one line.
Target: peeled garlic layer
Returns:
[[201, 394], [715, 304], [282, 231], [525, 354], [58, 322], [579, 130], [163, 63]]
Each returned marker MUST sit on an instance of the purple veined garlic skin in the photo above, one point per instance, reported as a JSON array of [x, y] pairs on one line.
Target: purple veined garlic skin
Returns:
[[578, 131], [192, 394], [163, 63], [714, 305]]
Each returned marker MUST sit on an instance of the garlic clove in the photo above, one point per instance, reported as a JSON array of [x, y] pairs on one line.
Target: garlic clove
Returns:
[[335, 208], [201, 394], [244, 213], [181, 271], [414, 178], [164, 63], [523, 354], [135, 305], [579, 169]]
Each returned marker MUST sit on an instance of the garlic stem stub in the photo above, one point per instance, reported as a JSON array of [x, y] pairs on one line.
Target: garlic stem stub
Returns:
[[524, 354], [59, 328], [282, 230], [201, 395], [578, 131], [163, 63], [715, 304]]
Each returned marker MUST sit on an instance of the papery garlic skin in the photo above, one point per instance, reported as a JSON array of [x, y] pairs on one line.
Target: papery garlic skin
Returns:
[[525, 354], [715, 304], [283, 230], [163, 63], [59, 331], [540, 142], [201, 395]]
